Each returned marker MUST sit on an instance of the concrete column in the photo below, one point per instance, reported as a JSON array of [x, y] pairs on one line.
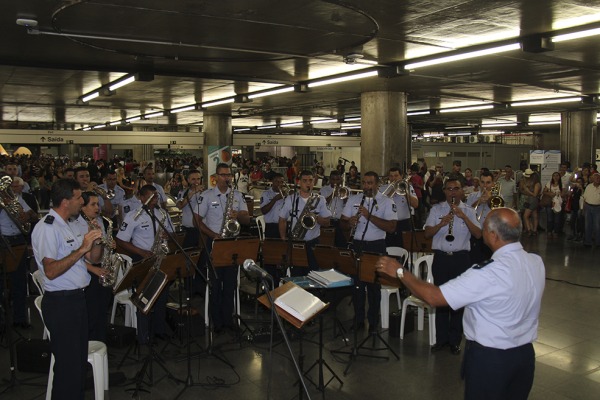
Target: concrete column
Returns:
[[217, 132], [142, 152], [385, 138], [578, 137]]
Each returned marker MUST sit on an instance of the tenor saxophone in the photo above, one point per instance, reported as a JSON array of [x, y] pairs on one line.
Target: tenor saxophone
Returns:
[[230, 226], [112, 262]]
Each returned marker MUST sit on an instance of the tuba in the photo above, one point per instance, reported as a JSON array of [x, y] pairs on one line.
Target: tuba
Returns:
[[307, 220], [10, 203], [230, 227]]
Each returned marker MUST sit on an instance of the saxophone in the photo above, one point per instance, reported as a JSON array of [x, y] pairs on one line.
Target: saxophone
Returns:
[[112, 261], [160, 247], [230, 226], [307, 219], [10, 203]]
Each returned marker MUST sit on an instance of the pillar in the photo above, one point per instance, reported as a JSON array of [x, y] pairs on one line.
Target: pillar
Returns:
[[217, 132], [385, 138], [578, 140]]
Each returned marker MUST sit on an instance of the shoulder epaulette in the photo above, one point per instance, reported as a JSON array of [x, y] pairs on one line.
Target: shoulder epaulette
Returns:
[[483, 264], [49, 219]]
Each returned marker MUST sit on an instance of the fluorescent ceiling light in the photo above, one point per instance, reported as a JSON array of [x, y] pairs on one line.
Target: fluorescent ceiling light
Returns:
[[351, 127], [546, 101], [491, 133], [460, 127], [90, 96], [576, 35], [543, 123], [182, 109], [424, 112], [288, 124], [350, 119], [459, 134], [467, 108], [99, 126], [266, 127], [463, 56], [242, 129], [115, 123], [324, 121], [271, 92], [154, 114], [428, 135], [122, 83], [132, 119], [338, 133], [217, 102], [499, 124], [89, 128], [343, 79]]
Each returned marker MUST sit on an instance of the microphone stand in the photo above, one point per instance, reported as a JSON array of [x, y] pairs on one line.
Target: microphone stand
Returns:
[[265, 284]]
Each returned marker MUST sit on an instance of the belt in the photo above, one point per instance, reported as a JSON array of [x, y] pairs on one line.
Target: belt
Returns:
[[472, 343], [592, 205], [450, 253], [62, 293]]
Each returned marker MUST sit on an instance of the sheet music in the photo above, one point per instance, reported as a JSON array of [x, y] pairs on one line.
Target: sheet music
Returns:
[[299, 303]]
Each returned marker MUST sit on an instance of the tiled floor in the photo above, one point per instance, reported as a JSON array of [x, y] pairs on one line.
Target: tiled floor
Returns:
[[568, 352]]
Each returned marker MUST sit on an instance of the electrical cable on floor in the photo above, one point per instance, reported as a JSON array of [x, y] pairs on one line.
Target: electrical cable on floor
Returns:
[[572, 283]]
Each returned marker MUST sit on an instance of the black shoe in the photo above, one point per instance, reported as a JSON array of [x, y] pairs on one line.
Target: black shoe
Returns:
[[438, 346], [455, 349]]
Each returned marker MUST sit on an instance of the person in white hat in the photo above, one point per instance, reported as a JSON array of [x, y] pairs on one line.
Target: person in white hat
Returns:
[[530, 188]]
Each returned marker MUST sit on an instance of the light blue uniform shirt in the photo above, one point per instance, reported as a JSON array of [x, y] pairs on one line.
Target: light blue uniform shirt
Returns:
[[502, 299], [7, 226], [295, 203], [272, 217], [193, 205], [162, 197], [55, 238], [403, 210], [130, 204], [140, 231], [336, 206], [459, 230], [381, 207], [212, 207]]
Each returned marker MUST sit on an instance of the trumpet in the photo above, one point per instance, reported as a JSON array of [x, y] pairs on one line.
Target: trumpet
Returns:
[[399, 187], [107, 194], [495, 200], [285, 190]]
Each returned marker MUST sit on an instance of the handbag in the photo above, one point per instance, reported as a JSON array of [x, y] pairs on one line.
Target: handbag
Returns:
[[546, 200]]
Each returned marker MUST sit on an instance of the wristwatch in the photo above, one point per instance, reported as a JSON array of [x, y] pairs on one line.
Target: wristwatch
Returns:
[[400, 273]]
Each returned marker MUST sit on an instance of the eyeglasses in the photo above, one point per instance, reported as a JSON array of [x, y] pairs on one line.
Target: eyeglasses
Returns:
[[453, 189], [225, 175]]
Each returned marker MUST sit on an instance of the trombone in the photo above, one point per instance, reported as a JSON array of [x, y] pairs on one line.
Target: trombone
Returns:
[[340, 192], [399, 187]]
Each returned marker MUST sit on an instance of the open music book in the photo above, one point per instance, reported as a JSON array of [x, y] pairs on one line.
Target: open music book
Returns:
[[330, 278], [299, 303]]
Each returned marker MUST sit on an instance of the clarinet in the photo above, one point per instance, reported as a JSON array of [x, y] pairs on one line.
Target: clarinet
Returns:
[[353, 231], [450, 236]]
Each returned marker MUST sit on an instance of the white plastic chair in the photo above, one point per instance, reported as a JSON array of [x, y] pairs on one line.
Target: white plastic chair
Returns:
[[124, 298], [420, 304], [388, 291], [97, 357], [38, 280], [260, 222]]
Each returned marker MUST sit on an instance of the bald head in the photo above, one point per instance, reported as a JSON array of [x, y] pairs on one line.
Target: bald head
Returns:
[[502, 226]]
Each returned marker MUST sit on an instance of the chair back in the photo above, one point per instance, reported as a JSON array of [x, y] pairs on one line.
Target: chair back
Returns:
[[398, 252], [38, 305], [260, 221], [38, 280], [420, 263]]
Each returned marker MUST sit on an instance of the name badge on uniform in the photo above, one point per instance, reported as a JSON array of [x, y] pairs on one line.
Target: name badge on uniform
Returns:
[[70, 240], [144, 226], [215, 204]]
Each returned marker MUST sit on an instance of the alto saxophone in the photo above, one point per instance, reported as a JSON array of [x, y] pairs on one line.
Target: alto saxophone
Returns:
[[112, 261], [230, 226], [307, 220]]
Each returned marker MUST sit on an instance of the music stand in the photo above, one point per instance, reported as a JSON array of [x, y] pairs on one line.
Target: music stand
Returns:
[[274, 252], [134, 275], [232, 253]]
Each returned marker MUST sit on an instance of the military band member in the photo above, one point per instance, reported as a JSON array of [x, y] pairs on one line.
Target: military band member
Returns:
[[148, 179], [480, 202], [271, 202], [130, 202], [291, 211], [188, 201], [61, 252], [210, 218], [110, 186], [82, 176], [404, 209], [137, 236], [97, 297], [12, 235], [336, 205], [451, 224], [370, 221]]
